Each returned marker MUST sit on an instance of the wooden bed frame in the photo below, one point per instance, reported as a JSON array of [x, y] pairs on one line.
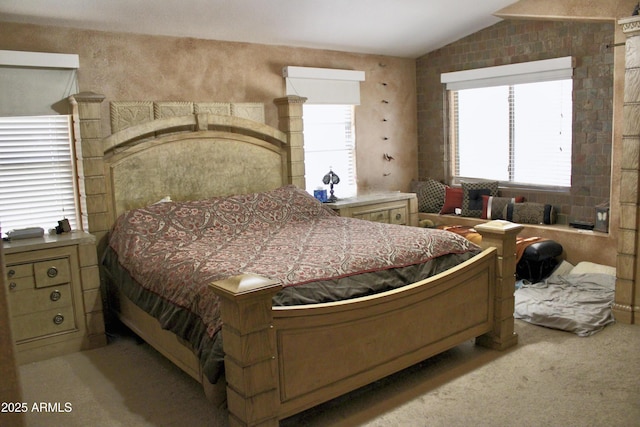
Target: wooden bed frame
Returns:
[[282, 360]]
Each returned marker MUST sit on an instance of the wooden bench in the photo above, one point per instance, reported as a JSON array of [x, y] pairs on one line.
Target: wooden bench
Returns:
[[579, 245]]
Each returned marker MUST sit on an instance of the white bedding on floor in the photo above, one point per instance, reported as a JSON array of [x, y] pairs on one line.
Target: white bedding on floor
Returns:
[[578, 303]]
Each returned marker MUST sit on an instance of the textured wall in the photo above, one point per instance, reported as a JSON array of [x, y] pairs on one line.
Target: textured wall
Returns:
[[519, 41], [135, 67]]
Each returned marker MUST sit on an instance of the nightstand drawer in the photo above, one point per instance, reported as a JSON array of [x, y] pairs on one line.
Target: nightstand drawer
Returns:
[[21, 284], [52, 272], [377, 216], [43, 323], [20, 270], [398, 216], [32, 300]]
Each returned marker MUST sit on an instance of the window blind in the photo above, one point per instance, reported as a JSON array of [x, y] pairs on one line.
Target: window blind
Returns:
[[324, 85], [510, 74], [36, 172], [33, 83]]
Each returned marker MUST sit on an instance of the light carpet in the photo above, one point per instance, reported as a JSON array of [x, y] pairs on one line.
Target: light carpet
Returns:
[[552, 378]]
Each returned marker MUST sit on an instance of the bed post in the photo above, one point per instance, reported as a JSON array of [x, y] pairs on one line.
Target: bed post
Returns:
[[501, 235], [290, 122], [251, 365], [87, 120]]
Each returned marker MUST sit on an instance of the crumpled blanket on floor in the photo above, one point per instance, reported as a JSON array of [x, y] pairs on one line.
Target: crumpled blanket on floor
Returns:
[[578, 303]]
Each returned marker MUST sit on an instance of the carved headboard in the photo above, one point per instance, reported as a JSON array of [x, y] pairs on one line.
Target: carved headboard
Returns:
[[192, 164], [125, 114]]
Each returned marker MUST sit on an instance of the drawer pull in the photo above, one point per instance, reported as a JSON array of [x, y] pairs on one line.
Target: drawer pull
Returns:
[[12, 286], [11, 273], [52, 272], [398, 216], [58, 319], [55, 295]]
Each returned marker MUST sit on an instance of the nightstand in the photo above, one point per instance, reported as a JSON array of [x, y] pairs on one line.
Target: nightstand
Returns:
[[392, 208], [55, 305]]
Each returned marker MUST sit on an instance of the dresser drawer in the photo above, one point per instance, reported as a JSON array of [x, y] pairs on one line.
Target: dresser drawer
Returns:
[[52, 272], [43, 323], [30, 300]]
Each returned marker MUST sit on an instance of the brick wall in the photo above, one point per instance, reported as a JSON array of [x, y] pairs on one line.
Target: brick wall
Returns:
[[510, 42]]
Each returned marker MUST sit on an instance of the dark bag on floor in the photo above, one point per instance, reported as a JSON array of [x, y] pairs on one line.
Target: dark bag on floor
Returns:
[[538, 261]]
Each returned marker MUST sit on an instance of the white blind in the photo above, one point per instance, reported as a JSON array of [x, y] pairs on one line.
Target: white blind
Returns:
[[34, 83], [324, 85], [36, 172], [510, 74]]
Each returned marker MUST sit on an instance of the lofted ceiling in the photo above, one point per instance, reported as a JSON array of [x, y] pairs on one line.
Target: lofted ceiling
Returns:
[[403, 28]]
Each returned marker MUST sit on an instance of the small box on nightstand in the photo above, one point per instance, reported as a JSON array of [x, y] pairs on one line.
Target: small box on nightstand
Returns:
[[602, 219]]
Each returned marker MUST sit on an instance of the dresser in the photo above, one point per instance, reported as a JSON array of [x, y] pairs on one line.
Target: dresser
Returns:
[[391, 207], [53, 289]]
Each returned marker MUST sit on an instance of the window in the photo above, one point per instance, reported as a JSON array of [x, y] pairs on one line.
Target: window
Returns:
[[517, 134], [37, 168], [329, 130], [513, 126], [329, 143], [36, 172]]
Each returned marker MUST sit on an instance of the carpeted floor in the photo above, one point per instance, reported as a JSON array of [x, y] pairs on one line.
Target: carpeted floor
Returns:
[[551, 378]]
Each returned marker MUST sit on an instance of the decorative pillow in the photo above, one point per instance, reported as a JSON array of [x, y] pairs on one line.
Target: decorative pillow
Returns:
[[586, 267], [472, 193], [530, 213], [452, 200], [493, 207], [166, 199], [430, 194]]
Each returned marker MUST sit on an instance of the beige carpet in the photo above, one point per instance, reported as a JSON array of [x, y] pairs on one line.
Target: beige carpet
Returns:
[[551, 378]]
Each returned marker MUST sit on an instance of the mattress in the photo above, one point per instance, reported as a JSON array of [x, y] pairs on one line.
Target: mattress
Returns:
[[162, 257]]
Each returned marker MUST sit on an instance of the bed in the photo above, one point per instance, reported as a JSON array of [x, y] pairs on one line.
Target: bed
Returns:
[[281, 360]]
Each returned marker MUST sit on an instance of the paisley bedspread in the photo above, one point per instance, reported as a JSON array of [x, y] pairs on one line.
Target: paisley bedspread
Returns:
[[175, 249]]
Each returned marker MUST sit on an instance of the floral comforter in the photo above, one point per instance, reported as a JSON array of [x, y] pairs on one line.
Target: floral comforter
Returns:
[[173, 250]]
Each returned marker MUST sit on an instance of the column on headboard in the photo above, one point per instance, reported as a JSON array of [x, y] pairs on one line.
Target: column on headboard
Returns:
[[627, 297], [290, 122], [86, 110], [501, 235], [250, 353], [92, 189]]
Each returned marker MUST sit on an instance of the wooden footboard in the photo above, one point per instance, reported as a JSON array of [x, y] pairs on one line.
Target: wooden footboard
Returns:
[[284, 360], [327, 350]]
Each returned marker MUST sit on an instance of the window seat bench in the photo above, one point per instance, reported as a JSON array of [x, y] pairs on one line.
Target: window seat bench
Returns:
[[579, 245]]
